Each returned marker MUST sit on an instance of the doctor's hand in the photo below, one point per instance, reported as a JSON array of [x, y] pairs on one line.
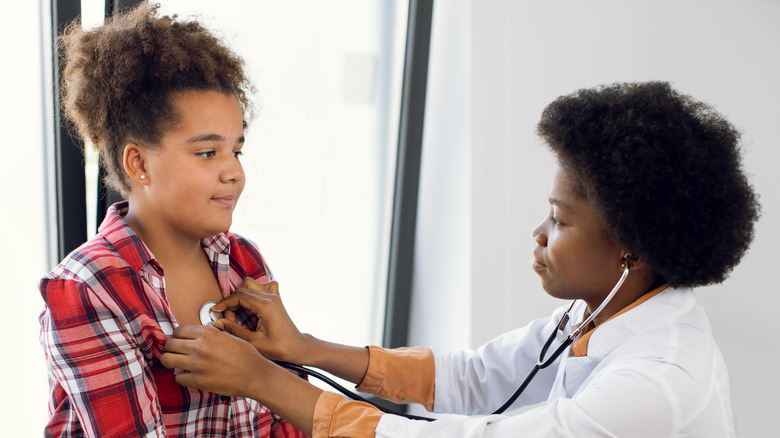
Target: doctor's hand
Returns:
[[275, 336], [219, 362], [215, 361]]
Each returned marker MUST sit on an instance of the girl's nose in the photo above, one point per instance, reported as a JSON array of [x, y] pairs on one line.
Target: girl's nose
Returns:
[[233, 171]]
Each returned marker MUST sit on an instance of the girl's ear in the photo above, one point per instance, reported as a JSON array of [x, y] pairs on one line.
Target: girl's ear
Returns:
[[134, 162]]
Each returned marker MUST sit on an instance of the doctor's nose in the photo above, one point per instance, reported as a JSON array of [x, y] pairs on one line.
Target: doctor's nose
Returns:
[[540, 237]]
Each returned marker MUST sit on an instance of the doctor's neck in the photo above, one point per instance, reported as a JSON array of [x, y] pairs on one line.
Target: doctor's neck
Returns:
[[640, 281]]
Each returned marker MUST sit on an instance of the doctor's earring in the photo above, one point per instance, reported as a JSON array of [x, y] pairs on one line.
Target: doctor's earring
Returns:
[[625, 261]]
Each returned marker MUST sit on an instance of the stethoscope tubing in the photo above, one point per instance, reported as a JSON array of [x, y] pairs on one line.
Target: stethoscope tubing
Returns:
[[544, 363], [349, 394], [540, 364]]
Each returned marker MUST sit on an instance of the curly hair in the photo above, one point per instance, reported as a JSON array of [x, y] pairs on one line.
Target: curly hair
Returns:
[[119, 79], [664, 172]]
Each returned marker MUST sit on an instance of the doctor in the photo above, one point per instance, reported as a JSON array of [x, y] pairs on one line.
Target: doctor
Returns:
[[648, 191]]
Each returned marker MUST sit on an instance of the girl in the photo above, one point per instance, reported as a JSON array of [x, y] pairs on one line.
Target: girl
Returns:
[[164, 102], [648, 199]]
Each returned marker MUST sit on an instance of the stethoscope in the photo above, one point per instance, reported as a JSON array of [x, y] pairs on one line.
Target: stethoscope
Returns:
[[207, 317]]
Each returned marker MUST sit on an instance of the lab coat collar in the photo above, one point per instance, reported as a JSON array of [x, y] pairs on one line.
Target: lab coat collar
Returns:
[[660, 310]]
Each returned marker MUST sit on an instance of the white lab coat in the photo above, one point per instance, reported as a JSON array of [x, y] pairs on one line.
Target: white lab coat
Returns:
[[654, 371]]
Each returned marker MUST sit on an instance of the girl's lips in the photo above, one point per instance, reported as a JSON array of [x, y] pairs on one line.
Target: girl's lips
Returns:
[[227, 201]]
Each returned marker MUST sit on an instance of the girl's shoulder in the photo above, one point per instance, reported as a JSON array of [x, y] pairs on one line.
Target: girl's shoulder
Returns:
[[97, 281], [94, 256], [246, 258]]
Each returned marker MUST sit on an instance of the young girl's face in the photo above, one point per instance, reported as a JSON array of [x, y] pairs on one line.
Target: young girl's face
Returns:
[[574, 256], [195, 176]]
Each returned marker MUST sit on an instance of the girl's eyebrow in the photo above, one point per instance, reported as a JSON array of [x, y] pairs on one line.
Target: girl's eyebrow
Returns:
[[205, 137], [211, 137]]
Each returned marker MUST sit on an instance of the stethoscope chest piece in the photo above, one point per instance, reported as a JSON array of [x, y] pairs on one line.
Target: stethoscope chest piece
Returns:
[[207, 317]]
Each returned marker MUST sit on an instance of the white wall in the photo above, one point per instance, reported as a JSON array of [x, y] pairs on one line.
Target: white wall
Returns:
[[24, 259], [494, 66]]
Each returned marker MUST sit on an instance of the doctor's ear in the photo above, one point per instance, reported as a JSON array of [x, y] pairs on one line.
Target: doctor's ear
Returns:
[[134, 163], [634, 263]]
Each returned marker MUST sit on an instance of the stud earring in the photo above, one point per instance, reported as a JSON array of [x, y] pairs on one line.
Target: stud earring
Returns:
[[143, 177]]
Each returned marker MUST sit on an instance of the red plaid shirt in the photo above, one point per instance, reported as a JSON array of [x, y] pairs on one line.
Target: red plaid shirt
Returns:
[[104, 328]]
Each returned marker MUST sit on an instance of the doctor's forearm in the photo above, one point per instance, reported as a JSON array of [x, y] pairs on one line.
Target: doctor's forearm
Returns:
[[286, 394], [349, 363]]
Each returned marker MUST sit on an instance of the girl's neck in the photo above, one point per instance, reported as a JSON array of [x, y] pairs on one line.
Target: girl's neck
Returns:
[[171, 248]]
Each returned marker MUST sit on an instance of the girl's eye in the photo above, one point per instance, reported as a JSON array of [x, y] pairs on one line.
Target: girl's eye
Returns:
[[237, 154], [205, 154]]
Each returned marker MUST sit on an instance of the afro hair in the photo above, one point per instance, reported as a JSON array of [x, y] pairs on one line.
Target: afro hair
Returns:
[[664, 172]]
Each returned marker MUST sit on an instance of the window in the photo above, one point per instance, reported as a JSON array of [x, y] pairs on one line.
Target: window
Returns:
[[320, 153]]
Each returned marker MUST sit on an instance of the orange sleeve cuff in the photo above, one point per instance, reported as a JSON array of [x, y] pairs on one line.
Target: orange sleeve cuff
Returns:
[[336, 416], [401, 375]]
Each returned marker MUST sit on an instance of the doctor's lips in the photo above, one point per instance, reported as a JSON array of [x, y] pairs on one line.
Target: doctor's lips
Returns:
[[537, 265], [227, 201]]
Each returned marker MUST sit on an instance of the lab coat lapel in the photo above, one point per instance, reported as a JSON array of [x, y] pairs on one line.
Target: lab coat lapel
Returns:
[[575, 372]]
